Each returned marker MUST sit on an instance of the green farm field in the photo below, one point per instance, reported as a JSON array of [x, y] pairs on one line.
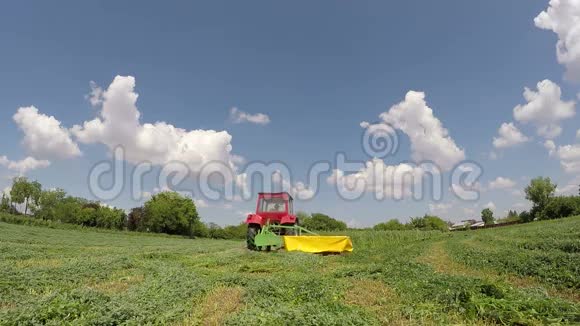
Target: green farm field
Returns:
[[522, 274]]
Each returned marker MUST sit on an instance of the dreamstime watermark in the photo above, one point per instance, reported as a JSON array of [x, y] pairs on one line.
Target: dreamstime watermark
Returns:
[[351, 179]]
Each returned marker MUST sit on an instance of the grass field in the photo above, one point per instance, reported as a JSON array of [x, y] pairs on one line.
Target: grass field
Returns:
[[526, 274]]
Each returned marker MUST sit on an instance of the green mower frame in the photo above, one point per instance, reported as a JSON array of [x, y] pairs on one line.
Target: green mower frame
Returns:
[[267, 238]]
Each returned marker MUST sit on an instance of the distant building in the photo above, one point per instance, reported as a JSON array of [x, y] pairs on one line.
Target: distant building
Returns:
[[472, 223]]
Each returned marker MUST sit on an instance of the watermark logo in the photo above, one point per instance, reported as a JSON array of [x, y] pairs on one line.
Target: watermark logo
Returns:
[[351, 179]]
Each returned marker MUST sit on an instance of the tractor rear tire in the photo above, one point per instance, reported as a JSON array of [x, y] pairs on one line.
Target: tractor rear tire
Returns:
[[288, 231], [251, 235]]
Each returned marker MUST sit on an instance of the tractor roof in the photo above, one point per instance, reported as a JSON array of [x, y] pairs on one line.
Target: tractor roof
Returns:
[[276, 194]]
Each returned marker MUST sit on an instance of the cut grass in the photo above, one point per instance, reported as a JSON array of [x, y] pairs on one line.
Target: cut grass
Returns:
[[377, 298], [78, 276]]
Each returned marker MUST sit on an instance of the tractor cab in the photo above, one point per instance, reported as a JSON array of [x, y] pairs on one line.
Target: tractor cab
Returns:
[[274, 206]]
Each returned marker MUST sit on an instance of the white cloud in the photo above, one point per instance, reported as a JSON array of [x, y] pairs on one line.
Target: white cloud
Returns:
[[364, 124], [95, 97], [353, 224], [200, 203], [25, 165], [466, 191], [159, 143], [44, 137], [395, 181], [568, 190], [468, 211], [522, 206], [550, 146], [490, 205], [501, 183], [509, 135], [239, 116], [429, 139], [545, 109], [517, 192], [569, 156], [301, 191], [6, 192], [563, 18], [439, 208]]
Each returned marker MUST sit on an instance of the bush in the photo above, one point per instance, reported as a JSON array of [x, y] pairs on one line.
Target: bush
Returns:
[[391, 225], [559, 207], [171, 213], [429, 223], [321, 222], [135, 219], [526, 217]]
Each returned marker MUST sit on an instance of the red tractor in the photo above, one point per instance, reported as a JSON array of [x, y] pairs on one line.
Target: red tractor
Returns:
[[272, 209]]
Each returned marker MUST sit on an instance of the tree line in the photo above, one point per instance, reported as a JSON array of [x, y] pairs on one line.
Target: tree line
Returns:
[[166, 212], [545, 206]]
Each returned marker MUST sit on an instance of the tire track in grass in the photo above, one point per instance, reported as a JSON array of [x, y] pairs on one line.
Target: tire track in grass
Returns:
[[437, 257], [378, 298], [216, 307]]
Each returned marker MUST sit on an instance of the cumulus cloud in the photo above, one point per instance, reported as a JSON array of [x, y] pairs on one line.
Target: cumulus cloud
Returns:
[[509, 135], [25, 165], [429, 139], [550, 146], [301, 191], [545, 109], [393, 181], [490, 205], [239, 116], [44, 137], [118, 124], [200, 203], [563, 18], [570, 189], [569, 156], [95, 96], [439, 208], [567, 190], [501, 183]]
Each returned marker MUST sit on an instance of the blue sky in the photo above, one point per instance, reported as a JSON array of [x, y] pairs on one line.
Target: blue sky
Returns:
[[316, 70]]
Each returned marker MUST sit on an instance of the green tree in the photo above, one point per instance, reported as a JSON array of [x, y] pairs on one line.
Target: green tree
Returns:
[[391, 225], [540, 191], [48, 201], [487, 216], [560, 207], [5, 204], [135, 219], [322, 222], [526, 216], [25, 192], [170, 212], [429, 223], [302, 217]]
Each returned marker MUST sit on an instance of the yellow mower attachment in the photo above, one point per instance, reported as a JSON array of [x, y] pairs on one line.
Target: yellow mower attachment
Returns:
[[268, 238], [317, 243]]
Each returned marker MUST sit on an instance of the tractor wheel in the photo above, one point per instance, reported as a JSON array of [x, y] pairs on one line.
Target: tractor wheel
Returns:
[[289, 231], [251, 235]]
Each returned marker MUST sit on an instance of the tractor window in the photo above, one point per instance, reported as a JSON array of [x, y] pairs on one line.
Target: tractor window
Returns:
[[272, 205]]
